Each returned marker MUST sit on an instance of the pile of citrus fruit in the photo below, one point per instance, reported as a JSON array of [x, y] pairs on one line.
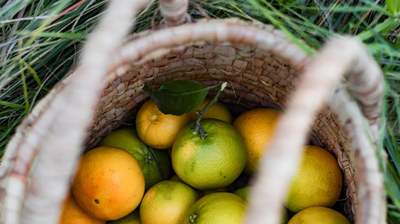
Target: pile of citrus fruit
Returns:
[[162, 171]]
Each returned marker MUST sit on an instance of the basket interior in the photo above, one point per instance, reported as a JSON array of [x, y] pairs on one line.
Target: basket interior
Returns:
[[256, 78]]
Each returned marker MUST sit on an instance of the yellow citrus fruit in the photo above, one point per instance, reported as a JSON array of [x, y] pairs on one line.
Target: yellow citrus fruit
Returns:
[[216, 111], [318, 181], [217, 208], [318, 215], [109, 183], [156, 129], [132, 218], [257, 127], [128, 140], [72, 213], [167, 203], [210, 163], [243, 192]]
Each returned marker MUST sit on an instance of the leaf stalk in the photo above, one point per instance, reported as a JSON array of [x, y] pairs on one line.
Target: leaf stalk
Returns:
[[197, 126]]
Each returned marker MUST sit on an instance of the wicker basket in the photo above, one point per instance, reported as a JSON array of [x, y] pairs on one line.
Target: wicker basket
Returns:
[[262, 67]]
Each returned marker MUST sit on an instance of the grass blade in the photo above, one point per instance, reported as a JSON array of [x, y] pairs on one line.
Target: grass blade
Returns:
[[13, 105]]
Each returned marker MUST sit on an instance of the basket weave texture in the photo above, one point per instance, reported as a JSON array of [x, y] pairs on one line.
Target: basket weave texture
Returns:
[[263, 68]]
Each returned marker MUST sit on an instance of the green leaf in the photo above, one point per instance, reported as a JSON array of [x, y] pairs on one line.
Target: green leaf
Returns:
[[383, 27], [393, 6], [178, 97], [70, 36], [25, 90], [35, 76], [14, 105]]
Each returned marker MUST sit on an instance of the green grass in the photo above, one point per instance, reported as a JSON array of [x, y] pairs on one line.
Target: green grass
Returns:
[[38, 50]]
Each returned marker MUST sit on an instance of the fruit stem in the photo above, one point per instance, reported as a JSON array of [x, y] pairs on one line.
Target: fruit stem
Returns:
[[158, 163], [197, 127]]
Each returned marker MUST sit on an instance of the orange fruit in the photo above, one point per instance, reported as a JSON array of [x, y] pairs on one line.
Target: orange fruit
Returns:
[[128, 140], [167, 203], [318, 181], [217, 208], [109, 183], [318, 215], [216, 111], [132, 218], [72, 213], [156, 129], [257, 127], [210, 163]]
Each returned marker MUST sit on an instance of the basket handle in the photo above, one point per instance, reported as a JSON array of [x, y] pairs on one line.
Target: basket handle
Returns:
[[57, 128], [174, 11], [278, 167], [24, 195]]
